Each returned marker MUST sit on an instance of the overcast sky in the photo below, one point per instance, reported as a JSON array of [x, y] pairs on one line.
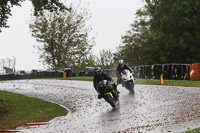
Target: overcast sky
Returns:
[[110, 19]]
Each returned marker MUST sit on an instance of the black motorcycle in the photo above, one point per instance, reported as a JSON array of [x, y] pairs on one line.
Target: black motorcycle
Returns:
[[106, 89]]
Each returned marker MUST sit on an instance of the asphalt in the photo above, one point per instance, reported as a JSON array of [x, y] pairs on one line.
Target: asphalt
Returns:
[[151, 109]]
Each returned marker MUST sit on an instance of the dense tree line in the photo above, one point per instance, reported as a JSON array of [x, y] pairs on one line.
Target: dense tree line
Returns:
[[165, 31]]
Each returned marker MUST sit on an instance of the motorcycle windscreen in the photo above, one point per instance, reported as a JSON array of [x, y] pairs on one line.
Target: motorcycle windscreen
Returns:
[[125, 72], [102, 85]]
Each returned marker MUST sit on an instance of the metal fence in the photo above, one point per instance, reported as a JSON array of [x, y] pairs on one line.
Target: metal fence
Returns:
[[33, 75]]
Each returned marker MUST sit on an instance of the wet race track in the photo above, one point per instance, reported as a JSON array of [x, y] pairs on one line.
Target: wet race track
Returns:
[[151, 109]]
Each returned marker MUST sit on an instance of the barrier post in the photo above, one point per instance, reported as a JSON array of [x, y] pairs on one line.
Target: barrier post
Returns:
[[161, 79], [64, 75]]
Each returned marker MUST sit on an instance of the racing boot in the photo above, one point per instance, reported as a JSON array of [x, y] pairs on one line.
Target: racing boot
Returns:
[[115, 87]]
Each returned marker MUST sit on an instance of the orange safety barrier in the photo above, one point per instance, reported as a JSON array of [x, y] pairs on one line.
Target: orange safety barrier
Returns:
[[194, 71], [64, 75]]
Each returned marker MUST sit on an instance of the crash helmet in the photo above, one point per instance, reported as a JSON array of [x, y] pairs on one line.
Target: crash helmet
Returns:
[[97, 71], [121, 63]]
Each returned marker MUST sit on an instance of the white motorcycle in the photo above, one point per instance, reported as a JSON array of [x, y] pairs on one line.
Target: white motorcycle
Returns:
[[128, 80]]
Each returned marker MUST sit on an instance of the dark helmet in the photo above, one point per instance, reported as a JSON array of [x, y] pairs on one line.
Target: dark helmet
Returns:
[[97, 71], [121, 63]]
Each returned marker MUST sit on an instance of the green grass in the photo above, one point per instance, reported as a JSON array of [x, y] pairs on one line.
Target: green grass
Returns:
[[76, 78], [21, 110], [186, 83], [194, 131]]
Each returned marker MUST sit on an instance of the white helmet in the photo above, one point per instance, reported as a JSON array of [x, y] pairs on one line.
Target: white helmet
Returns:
[[121, 63]]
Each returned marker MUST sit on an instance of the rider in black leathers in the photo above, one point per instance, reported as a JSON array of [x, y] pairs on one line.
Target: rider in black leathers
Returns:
[[121, 66], [100, 75]]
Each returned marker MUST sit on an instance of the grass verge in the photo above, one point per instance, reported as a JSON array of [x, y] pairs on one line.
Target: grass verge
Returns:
[[194, 131], [76, 78], [185, 83], [20, 110]]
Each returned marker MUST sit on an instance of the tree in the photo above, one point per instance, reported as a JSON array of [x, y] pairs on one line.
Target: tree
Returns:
[[39, 5], [65, 40], [165, 31], [135, 48], [175, 25], [105, 59]]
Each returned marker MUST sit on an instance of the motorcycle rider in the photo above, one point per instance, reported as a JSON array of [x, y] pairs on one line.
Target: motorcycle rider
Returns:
[[100, 75], [121, 66]]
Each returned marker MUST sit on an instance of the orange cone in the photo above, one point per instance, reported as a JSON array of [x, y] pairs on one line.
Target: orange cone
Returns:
[[161, 80]]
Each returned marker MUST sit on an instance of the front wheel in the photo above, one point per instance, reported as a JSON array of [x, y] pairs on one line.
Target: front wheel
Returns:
[[131, 86], [110, 100]]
